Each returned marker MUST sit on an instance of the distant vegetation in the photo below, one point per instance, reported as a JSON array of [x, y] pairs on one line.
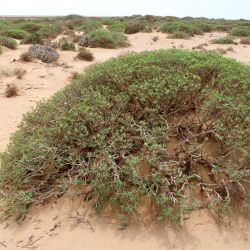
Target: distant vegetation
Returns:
[[224, 40], [102, 38], [8, 42]]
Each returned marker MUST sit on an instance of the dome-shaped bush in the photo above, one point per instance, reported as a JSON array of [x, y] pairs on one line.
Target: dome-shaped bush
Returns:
[[151, 125]]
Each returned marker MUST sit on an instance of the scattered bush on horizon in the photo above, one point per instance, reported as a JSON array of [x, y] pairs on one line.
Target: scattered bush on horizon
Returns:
[[29, 27], [49, 31], [85, 54], [180, 35], [134, 27], [8, 42], [118, 27], [241, 31], [177, 26], [114, 129], [16, 34], [90, 25], [44, 53], [34, 38], [103, 39], [224, 40]]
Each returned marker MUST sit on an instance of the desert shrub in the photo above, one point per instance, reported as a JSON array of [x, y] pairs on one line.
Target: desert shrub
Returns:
[[134, 27], [11, 90], [221, 27], [245, 40], [65, 44], [107, 21], [29, 26], [231, 49], [4, 26], [8, 42], [85, 54], [117, 27], [114, 130], [75, 38], [34, 38], [155, 38], [103, 39], [90, 25], [49, 31], [224, 40], [241, 31], [26, 57], [205, 27], [177, 26], [147, 29], [19, 73], [44, 53], [16, 34], [180, 35]]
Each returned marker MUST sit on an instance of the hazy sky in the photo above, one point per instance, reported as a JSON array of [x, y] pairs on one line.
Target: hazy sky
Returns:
[[233, 9]]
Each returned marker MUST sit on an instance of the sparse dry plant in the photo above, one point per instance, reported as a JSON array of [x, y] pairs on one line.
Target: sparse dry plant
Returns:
[[19, 73], [26, 57], [85, 54], [11, 90]]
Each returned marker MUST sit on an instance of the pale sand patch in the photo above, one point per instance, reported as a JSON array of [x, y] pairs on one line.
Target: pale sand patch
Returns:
[[199, 231]]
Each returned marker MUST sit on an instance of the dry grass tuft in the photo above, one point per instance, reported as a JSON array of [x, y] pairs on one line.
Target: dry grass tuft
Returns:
[[19, 73], [11, 90]]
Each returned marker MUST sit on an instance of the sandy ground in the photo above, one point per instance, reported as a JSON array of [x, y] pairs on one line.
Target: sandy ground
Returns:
[[50, 226]]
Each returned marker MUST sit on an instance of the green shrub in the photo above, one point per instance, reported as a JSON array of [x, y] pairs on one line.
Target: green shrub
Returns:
[[180, 35], [8, 42], [107, 21], [103, 39], [224, 40], [29, 26], [205, 27], [90, 25], [49, 31], [241, 31], [114, 128], [220, 27], [176, 26], [85, 54], [1, 49], [65, 44], [16, 34], [4, 26], [134, 27], [34, 38], [117, 27]]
